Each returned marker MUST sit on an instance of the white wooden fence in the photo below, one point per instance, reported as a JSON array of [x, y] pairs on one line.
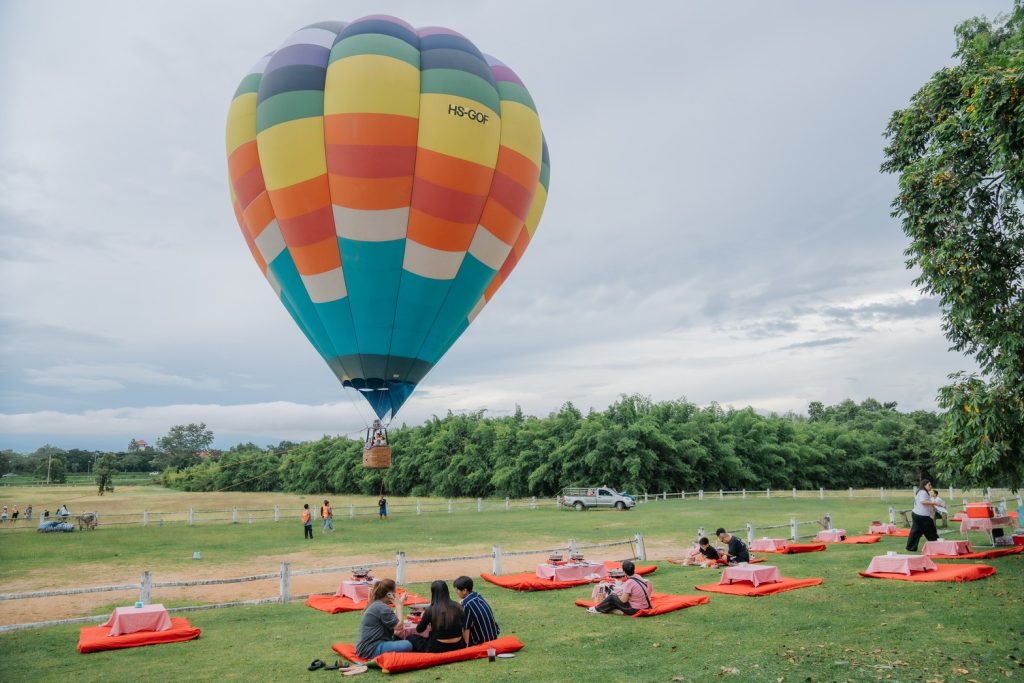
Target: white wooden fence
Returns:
[[147, 585]]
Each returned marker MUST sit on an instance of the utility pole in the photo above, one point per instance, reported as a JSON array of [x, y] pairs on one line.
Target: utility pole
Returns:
[[49, 460]]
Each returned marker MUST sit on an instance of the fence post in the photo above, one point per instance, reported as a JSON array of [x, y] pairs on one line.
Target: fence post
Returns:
[[828, 522], [479, 505], [250, 518], [351, 510], [145, 518], [744, 494], [1002, 508], [496, 562], [794, 492], [721, 494], [191, 516], [572, 546], [700, 533], [682, 495], [794, 529], [851, 492], [506, 503], [400, 567], [768, 493], [750, 533], [449, 506], [533, 502], [881, 492], [641, 551], [821, 493], [234, 515], [277, 513], [286, 582], [146, 587], [988, 494], [700, 494], [419, 508], [1020, 501], [892, 515], [558, 501]]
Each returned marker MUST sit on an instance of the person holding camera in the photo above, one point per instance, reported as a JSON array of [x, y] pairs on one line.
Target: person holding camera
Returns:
[[632, 595], [382, 622]]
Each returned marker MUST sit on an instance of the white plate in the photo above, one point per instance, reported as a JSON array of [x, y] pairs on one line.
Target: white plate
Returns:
[[506, 655]]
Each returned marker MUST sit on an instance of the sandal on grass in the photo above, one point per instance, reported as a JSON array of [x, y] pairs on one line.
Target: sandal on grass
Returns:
[[333, 667], [316, 664]]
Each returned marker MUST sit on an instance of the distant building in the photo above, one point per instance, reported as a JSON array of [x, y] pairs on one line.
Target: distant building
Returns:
[[139, 444]]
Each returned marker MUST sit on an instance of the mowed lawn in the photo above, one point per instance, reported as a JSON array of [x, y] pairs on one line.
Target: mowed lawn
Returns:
[[850, 628]]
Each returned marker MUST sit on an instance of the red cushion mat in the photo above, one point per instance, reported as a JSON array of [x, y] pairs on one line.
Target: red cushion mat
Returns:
[[333, 604], [945, 572], [95, 638], [982, 554], [798, 548], [397, 662], [661, 603], [764, 589], [531, 582], [870, 538]]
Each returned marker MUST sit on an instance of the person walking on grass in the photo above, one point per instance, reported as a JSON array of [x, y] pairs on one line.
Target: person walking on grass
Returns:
[[922, 516], [307, 522], [328, 516]]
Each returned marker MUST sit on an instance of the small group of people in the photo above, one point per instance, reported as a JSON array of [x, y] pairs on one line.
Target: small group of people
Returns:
[[708, 556], [452, 625], [326, 514]]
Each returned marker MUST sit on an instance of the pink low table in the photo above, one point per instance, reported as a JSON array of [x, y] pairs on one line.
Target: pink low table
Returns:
[[768, 544], [986, 524], [356, 591], [830, 535], [134, 619], [900, 564], [754, 573], [571, 572], [883, 529], [946, 548]]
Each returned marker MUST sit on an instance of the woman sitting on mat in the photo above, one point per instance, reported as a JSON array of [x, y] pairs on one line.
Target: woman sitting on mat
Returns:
[[382, 622], [444, 617], [631, 596]]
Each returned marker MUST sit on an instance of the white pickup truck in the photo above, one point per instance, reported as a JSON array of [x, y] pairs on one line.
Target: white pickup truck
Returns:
[[596, 497]]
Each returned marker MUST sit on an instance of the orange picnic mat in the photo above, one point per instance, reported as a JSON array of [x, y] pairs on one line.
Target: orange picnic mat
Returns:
[[869, 538], [744, 588], [945, 572], [397, 662], [527, 581], [661, 603], [798, 548], [333, 604], [95, 638], [982, 554], [902, 533]]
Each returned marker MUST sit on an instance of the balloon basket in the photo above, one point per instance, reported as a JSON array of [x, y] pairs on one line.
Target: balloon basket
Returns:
[[377, 457]]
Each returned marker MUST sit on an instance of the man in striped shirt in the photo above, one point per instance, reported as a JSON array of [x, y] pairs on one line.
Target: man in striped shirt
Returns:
[[478, 621]]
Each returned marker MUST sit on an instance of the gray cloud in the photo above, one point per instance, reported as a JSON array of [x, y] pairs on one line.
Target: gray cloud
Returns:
[[814, 343]]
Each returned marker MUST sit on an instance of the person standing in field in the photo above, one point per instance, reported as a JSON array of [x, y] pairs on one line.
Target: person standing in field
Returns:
[[921, 516], [28, 512], [382, 507], [14, 514], [328, 516], [307, 522]]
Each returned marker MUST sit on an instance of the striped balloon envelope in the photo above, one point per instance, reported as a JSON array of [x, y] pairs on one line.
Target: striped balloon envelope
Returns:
[[387, 180]]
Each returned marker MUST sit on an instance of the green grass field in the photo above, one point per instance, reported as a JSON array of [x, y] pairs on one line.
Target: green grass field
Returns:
[[850, 628]]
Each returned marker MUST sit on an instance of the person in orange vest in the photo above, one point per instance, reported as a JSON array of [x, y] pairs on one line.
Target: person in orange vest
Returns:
[[307, 522], [327, 515]]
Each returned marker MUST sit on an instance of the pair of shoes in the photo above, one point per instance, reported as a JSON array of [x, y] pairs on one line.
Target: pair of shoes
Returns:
[[593, 610]]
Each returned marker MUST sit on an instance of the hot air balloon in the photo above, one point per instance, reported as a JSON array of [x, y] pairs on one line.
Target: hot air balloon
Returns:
[[387, 180]]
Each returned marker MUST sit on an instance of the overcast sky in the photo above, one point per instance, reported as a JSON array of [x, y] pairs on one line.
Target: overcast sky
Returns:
[[717, 228]]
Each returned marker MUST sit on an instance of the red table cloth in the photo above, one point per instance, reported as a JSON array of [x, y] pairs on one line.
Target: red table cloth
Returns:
[[768, 544], [986, 524], [134, 619], [882, 529], [762, 573], [900, 564], [572, 572], [953, 547]]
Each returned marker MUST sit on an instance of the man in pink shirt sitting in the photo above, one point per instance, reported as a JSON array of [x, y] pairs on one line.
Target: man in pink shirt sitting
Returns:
[[632, 595]]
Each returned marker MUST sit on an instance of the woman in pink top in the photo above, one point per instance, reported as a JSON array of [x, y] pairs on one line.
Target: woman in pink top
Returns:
[[633, 595]]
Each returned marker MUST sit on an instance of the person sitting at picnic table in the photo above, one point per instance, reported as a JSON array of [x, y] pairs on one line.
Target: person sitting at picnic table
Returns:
[[708, 552], [478, 622], [631, 596], [737, 550], [382, 622], [444, 617]]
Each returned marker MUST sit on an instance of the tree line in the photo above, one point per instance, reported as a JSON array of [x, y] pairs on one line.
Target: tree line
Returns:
[[635, 445]]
